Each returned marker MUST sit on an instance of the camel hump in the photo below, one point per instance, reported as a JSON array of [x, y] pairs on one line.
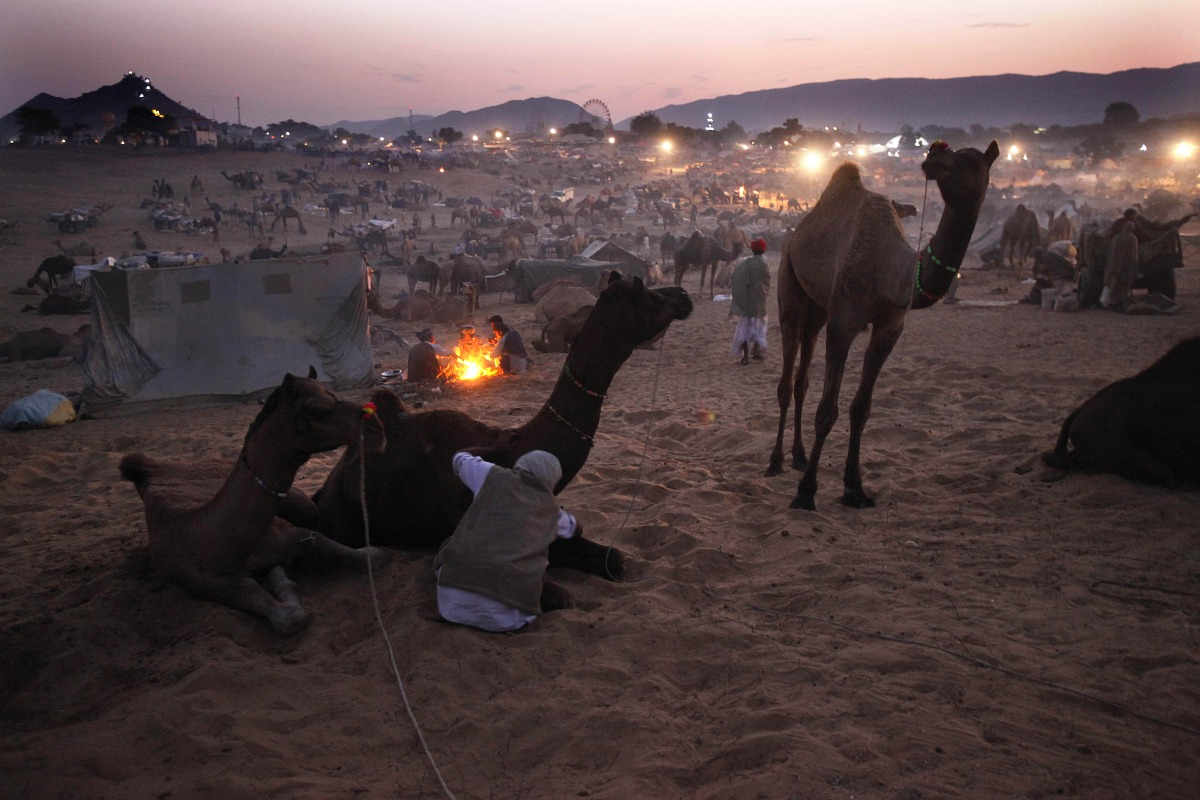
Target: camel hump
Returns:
[[846, 176]]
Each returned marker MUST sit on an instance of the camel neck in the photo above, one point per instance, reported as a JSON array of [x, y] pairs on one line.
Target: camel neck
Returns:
[[938, 262]]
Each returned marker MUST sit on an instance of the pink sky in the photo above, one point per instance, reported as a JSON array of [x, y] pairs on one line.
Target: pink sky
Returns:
[[322, 62]]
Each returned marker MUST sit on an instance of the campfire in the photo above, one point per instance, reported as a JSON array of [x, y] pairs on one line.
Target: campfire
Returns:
[[472, 360]]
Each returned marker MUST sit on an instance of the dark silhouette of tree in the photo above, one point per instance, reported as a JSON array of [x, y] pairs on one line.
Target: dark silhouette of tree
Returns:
[[1121, 115], [142, 122], [646, 124], [35, 122], [585, 128], [449, 135], [1099, 147]]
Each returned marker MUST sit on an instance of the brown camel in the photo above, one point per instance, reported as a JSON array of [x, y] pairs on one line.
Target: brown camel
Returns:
[[1059, 227], [1019, 236], [513, 247], [263, 251], [45, 343], [560, 334], [231, 547], [80, 249], [464, 213], [701, 251], [423, 270], [461, 269], [413, 498], [848, 265], [286, 213], [1144, 428]]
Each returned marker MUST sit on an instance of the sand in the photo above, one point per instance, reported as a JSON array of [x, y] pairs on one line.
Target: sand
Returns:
[[989, 630]]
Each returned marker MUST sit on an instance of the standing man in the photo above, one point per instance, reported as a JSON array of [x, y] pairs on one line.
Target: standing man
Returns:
[[751, 281]]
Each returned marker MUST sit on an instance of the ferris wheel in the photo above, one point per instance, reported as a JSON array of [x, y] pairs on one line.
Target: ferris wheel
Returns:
[[595, 112]]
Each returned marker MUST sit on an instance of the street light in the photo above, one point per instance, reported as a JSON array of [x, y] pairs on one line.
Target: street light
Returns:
[[1184, 150], [812, 162]]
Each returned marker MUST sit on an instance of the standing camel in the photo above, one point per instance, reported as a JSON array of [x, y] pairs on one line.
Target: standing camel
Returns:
[[701, 251], [1020, 234], [286, 213], [848, 265]]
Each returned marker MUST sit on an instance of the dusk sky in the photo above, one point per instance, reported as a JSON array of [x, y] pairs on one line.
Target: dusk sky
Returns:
[[323, 61]]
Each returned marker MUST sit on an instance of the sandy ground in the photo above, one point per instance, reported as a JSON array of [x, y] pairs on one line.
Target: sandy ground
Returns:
[[988, 630]]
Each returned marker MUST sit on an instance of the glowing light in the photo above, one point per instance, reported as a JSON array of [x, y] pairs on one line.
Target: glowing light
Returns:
[[612, 140], [474, 137], [499, 135], [156, 113], [1185, 150], [554, 131], [667, 146], [811, 161], [344, 141]]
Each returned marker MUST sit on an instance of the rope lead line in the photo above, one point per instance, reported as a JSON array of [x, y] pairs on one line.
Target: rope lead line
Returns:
[[362, 497]]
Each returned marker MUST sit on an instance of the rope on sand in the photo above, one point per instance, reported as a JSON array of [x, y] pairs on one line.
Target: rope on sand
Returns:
[[362, 498]]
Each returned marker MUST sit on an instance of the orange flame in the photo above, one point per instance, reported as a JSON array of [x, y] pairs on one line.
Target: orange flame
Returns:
[[472, 360]]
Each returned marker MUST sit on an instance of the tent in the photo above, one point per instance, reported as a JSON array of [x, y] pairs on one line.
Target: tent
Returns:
[[226, 329], [530, 273], [602, 250]]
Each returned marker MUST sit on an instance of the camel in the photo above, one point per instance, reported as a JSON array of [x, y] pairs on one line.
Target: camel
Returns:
[[80, 249], [465, 214], [197, 185], [44, 343], [1020, 235], [413, 499], [231, 547], [458, 270], [701, 251], [286, 213], [848, 265], [53, 268], [553, 208], [1143, 428], [262, 251], [423, 270], [60, 304], [1059, 228], [513, 247], [560, 334], [562, 301]]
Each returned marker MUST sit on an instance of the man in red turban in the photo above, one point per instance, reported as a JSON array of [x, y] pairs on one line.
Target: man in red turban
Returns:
[[751, 282]]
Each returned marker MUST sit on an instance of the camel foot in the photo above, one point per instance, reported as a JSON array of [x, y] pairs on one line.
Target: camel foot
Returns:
[[803, 501], [588, 556], [288, 620], [857, 499], [555, 597], [774, 468], [800, 463]]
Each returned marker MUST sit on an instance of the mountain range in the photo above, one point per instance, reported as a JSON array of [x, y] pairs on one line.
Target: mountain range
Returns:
[[882, 105]]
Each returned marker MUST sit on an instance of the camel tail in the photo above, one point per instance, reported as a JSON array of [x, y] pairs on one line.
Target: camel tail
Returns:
[[1059, 457]]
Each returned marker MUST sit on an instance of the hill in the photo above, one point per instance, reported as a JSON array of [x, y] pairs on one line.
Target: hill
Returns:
[[90, 109], [517, 116], [1064, 98]]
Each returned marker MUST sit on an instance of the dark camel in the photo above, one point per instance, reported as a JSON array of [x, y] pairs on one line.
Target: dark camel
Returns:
[[423, 271], [262, 251], [1144, 428], [704, 252], [1019, 236], [232, 547], [413, 498], [53, 268], [848, 265]]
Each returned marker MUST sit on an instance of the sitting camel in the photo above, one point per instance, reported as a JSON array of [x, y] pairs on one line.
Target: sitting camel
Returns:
[[45, 343], [232, 547], [559, 335], [561, 301], [848, 263], [413, 498], [1144, 428], [262, 251], [700, 251]]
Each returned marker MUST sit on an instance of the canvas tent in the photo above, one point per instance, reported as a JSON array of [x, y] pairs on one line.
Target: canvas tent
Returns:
[[226, 329], [530, 273], [604, 250]]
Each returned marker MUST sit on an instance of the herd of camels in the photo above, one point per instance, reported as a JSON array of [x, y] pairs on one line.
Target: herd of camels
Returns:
[[846, 267]]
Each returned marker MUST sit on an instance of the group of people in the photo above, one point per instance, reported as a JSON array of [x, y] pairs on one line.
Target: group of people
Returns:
[[427, 359]]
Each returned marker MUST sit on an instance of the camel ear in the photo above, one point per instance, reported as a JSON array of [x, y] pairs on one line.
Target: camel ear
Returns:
[[312, 372], [615, 277], [992, 152]]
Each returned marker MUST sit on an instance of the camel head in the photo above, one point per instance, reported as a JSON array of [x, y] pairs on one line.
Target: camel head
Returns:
[[307, 418], [962, 176], [630, 314]]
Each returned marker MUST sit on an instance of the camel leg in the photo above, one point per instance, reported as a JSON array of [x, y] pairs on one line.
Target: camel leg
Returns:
[[883, 338], [837, 346], [588, 556], [275, 600], [796, 312]]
